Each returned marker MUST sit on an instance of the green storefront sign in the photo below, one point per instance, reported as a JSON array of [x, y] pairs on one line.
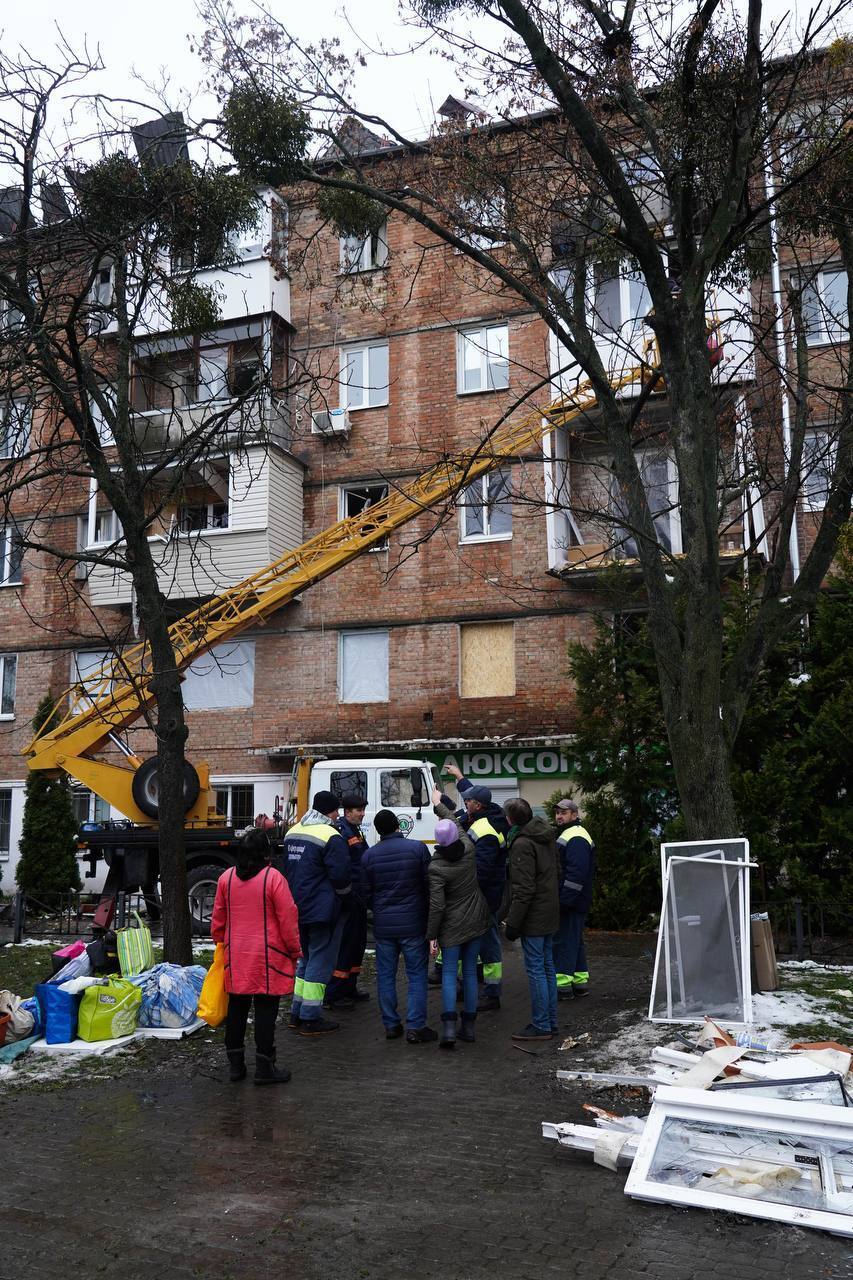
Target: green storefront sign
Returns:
[[524, 762]]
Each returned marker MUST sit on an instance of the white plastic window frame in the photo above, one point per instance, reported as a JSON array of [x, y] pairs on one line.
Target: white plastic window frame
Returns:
[[360, 254], [6, 803], [374, 397], [8, 578], [487, 210], [343, 636], [8, 662], [630, 325], [672, 515], [831, 328], [465, 505], [92, 518], [807, 1120], [479, 339], [17, 414], [345, 489], [811, 468]]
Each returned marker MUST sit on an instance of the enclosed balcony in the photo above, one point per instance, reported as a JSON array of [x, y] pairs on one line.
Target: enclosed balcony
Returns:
[[229, 516]]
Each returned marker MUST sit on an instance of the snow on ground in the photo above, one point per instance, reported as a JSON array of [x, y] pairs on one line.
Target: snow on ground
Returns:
[[812, 996]]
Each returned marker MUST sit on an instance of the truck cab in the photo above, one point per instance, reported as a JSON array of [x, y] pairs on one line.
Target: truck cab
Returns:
[[396, 783]]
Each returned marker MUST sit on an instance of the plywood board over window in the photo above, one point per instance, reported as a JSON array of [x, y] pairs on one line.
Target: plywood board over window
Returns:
[[487, 660]]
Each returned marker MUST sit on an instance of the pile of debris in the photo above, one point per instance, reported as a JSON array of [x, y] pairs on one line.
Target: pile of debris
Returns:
[[733, 1125]]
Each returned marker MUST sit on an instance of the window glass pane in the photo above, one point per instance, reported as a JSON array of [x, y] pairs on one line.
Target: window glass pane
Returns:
[[355, 368], [639, 299], [243, 805], [16, 555], [835, 302], [224, 677], [349, 782], [812, 319], [472, 360], [378, 371], [103, 427], [5, 820], [818, 457], [353, 249], [497, 342], [7, 699], [395, 788], [213, 374], [83, 667], [364, 666], [607, 314], [499, 504], [473, 510]]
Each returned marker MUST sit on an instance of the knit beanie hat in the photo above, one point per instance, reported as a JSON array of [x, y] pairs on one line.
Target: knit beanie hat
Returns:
[[324, 802], [446, 831], [386, 822]]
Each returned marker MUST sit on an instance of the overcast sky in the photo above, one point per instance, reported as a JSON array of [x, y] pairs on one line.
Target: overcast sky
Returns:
[[151, 38]]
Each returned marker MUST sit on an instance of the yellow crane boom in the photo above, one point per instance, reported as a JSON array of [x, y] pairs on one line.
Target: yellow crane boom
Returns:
[[113, 696]]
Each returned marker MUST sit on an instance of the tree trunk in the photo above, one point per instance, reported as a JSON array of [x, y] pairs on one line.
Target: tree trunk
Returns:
[[171, 732], [701, 763]]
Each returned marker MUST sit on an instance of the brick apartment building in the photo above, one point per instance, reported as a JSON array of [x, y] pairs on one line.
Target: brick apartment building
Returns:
[[451, 640]]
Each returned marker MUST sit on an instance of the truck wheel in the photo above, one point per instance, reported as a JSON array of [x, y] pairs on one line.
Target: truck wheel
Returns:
[[201, 890], [145, 787]]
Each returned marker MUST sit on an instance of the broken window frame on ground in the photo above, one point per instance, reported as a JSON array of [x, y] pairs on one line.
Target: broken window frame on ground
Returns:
[[705, 851], [810, 1125]]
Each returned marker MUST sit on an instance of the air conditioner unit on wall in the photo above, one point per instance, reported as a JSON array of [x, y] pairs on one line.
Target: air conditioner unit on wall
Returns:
[[330, 422]]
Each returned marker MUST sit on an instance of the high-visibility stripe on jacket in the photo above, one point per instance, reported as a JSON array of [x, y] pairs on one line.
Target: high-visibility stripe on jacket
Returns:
[[317, 866], [490, 848], [577, 867]]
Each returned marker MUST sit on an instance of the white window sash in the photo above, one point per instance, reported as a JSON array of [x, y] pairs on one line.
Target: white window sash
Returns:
[[483, 351], [364, 381], [363, 666]]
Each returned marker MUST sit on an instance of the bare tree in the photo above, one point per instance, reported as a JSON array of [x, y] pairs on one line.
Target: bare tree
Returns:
[[648, 187], [113, 433]]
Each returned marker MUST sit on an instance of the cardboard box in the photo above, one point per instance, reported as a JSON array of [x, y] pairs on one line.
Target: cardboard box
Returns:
[[764, 956]]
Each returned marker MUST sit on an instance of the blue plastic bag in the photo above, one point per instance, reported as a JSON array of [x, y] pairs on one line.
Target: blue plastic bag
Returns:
[[170, 994], [60, 1010], [33, 1007]]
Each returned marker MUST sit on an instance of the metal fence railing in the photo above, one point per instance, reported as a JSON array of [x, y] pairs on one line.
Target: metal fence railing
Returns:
[[59, 915], [811, 930]]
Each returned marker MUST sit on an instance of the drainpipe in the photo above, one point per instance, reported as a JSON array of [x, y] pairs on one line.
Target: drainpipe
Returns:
[[782, 357]]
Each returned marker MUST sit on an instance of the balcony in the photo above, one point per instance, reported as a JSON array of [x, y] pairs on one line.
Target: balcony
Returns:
[[257, 501], [251, 286], [261, 420]]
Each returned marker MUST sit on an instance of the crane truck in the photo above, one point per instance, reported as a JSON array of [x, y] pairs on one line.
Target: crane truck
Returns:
[[110, 698]]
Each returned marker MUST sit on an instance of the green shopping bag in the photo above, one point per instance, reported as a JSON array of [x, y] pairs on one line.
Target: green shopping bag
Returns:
[[135, 952], [109, 1010]]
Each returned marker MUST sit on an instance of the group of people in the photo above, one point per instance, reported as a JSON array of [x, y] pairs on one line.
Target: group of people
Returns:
[[305, 931]]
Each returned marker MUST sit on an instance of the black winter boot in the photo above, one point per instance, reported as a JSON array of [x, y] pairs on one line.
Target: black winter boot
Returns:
[[466, 1031], [266, 1072], [448, 1031], [236, 1065]]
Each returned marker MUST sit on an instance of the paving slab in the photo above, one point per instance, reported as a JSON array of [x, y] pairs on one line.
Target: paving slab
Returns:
[[379, 1160]]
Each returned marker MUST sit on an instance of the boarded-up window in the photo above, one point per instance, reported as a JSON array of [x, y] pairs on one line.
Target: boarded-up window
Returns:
[[487, 660]]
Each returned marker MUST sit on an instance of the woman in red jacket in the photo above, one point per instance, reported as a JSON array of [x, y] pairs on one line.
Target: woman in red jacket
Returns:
[[254, 916]]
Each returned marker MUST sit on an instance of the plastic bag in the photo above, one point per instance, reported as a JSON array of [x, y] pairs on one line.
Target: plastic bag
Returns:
[[34, 1009], [135, 952], [59, 1009], [21, 1021], [170, 994], [79, 967], [109, 1009], [60, 958], [213, 1001]]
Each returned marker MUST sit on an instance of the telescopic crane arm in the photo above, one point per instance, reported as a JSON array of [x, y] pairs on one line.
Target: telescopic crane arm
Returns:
[[113, 696]]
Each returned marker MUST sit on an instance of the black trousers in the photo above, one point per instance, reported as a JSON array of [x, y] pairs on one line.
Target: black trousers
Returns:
[[266, 1012], [350, 954]]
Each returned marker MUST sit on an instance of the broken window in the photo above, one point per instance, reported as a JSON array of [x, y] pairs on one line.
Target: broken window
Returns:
[[356, 500]]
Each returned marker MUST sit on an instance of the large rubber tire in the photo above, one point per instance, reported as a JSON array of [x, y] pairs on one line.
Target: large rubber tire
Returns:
[[201, 888], [145, 788]]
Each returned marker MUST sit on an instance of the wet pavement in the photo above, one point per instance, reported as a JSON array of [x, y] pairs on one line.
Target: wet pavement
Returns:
[[379, 1160]]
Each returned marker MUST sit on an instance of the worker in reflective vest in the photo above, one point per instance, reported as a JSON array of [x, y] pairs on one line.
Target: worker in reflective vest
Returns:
[[487, 826], [342, 992], [317, 866], [577, 869]]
